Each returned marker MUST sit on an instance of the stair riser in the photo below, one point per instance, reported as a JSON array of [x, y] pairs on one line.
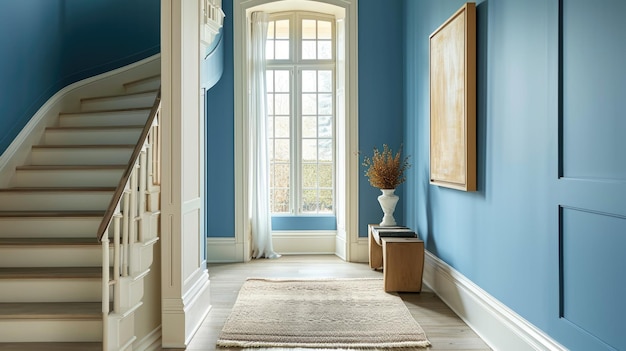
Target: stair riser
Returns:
[[122, 118], [50, 330], [144, 85], [92, 137], [73, 157], [67, 178], [52, 201], [51, 290], [49, 227], [119, 102], [52, 256]]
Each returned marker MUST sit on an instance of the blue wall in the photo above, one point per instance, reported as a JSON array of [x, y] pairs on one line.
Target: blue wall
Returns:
[[380, 113], [544, 233], [220, 134], [49, 44]]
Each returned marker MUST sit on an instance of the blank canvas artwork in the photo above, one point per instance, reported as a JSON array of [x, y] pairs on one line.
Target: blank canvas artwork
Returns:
[[453, 101]]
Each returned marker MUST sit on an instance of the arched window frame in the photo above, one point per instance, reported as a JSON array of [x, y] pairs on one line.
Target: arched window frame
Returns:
[[348, 245]]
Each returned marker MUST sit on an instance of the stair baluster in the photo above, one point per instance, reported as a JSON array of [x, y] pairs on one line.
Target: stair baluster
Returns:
[[127, 210]]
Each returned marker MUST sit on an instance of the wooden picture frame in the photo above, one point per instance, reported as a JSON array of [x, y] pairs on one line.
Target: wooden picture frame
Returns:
[[453, 101]]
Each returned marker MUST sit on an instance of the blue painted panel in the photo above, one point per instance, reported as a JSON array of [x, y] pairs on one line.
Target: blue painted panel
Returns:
[[30, 64], [381, 97], [593, 264], [593, 118], [304, 223], [220, 153]]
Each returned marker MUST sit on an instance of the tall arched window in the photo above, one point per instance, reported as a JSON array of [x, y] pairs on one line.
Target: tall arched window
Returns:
[[301, 112], [312, 115]]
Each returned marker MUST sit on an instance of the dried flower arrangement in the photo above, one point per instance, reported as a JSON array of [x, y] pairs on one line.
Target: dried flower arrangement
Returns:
[[386, 170]]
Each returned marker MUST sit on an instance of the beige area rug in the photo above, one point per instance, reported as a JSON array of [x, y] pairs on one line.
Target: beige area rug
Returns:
[[321, 313]]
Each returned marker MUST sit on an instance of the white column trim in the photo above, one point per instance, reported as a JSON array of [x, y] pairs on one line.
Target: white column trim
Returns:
[[185, 291]]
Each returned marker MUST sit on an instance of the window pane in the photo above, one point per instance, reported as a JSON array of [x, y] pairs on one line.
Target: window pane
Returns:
[[326, 201], [309, 104], [309, 82], [309, 201], [281, 150], [281, 102], [282, 29], [325, 175], [324, 50], [309, 125], [325, 81], [281, 175], [309, 150], [325, 104], [270, 129], [308, 29], [325, 126], [282, 81], [269, 49], [308, 50], [282, 50], [280, 201], [325, 149], [309, 175], [324, 30], [270, 104], [269, 80], [282, 127]]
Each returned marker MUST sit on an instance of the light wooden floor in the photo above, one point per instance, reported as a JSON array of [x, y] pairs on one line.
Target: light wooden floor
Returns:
[[444, 329]]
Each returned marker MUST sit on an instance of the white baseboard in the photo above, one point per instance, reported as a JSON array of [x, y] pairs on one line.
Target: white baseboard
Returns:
[[150, 342], [223, 250], [499, 326]]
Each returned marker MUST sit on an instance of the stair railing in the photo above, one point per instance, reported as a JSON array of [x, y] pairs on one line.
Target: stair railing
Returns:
[[123, 220]]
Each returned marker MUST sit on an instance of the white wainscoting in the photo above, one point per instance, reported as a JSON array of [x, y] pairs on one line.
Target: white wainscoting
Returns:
[[498, 325], [314, 242], [304, 242]]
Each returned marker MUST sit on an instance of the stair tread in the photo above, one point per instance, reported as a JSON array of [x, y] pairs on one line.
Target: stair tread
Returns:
[[68, 167], [50, 346], [87, 146], [130, 109], [152, 91], [52, 310], [77, 128], [55, 214], [49, 272], [56, 189], [49, 241]]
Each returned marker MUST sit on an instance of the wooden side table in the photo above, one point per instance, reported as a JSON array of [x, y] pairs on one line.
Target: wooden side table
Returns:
[[401, 260], [375, 249], [403, 264]]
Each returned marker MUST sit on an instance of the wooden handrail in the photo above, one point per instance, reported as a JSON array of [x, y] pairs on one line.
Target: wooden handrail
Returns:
[[108, 215]]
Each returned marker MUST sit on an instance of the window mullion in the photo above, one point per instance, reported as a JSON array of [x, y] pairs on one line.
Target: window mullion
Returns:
[[297, 141]]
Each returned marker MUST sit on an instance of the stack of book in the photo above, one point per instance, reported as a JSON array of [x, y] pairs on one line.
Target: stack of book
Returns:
[[395, 232]]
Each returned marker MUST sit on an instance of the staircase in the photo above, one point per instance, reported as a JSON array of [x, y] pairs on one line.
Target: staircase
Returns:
[[51, 276]]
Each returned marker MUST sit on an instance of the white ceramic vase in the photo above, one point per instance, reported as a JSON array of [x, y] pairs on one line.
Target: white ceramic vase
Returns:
[[388, 201]]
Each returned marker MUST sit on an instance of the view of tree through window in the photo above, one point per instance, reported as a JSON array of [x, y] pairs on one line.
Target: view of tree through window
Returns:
[[301, 113]]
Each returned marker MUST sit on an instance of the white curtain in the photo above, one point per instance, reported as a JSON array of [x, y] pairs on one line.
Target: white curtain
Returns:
[[260, 219]]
